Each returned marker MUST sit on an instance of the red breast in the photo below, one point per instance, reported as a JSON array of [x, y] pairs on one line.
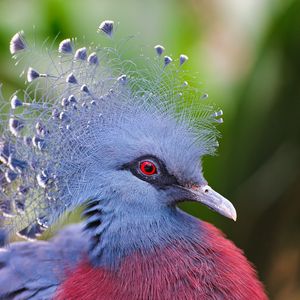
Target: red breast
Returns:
[[209, 268]]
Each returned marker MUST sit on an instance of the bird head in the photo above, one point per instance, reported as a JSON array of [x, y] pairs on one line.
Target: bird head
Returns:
[[96, 129]]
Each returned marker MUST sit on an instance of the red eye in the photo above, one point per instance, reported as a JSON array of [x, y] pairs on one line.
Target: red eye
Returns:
[[148, 168]]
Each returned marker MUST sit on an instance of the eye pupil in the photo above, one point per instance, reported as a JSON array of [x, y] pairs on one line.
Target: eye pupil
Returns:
[[148, 168]]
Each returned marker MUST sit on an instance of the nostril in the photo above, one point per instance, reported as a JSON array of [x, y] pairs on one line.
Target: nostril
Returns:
[[206, 191]]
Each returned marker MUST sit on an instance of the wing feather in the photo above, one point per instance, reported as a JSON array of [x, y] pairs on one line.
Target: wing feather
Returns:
[[34, 270]]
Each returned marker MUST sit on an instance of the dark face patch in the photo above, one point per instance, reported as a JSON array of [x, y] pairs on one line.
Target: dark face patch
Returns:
[[161, 178]]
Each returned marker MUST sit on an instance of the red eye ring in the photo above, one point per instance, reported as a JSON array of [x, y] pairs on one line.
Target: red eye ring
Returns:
[[148, 168]]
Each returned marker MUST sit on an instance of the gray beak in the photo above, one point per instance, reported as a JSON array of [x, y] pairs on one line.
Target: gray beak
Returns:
[[207, 196]]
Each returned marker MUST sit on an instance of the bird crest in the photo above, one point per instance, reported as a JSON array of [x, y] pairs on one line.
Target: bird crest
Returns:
[[52, 131]]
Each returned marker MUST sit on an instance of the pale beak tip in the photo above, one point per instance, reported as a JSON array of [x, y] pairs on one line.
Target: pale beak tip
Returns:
[[233, 214]]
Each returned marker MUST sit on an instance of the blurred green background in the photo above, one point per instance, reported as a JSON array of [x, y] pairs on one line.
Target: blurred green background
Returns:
[[247, 55]]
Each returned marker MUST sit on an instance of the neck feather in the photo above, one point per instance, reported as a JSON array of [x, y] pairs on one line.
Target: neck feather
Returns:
[[117, 234]]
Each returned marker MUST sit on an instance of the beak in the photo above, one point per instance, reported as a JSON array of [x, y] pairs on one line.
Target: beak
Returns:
[[207, 196]]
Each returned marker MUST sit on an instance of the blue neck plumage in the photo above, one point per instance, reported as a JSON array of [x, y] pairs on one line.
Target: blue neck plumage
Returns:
[[118, 233]]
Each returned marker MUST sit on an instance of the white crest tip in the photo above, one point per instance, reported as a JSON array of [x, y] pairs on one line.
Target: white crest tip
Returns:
[[84, 89], [218, 113], [167, 60], [17, 43], [32, 74], [122, 79], [15, 126], [71, 79], [81, 54], [107, 27], [65, 46], [159, 49], [15, 102], [93, 59], [182, 59], [204, 96]]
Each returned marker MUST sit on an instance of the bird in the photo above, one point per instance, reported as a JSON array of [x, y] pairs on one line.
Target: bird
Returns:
[[124, 142]]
